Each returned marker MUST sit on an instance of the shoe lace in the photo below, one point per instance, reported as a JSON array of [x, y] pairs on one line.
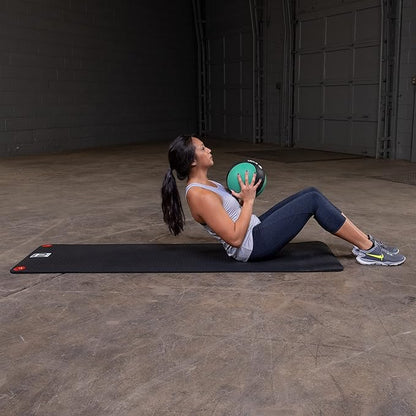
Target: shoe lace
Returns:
[[379, 242]]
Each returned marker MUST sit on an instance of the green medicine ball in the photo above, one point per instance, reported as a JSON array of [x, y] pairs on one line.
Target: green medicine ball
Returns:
[[240, 168]]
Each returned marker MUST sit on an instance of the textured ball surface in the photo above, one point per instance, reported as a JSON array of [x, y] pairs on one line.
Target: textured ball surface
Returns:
[[251, 167]]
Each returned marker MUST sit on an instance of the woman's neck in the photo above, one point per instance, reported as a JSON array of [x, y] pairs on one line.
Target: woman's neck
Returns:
[[199, 177]]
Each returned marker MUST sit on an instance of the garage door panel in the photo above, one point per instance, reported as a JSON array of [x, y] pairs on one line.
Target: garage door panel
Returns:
[[217, 100], [307, 132], [336, 132], [363, 137], [246, 45], [368, 25], [337, 100], [233, 125], [338, 65], [216, 51], [247, 102], [366, 61], [232, 47], [311, 33], [247, 75], [309, 102], [232, 100], [247, 126], [340, 29], [217, 123], [311, 66], [232, 73], [365, 102], [217, 76]]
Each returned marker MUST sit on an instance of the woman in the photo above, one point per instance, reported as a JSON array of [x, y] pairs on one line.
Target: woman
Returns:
[[229, 216]]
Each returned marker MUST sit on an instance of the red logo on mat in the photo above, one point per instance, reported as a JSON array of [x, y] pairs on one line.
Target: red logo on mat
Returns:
[[19, 268], [47, 245]]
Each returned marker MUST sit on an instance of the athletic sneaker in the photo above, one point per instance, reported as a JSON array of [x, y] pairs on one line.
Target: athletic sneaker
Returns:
[[380, 256], [392, 250]]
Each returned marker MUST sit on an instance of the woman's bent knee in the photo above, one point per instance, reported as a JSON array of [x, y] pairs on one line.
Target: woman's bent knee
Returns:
[[311, 189]]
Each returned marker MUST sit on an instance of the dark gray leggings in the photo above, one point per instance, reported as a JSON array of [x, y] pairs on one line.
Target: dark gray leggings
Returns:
[[285, 220]]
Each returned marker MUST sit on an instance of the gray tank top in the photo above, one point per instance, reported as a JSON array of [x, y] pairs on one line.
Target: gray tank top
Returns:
[[233, 209]]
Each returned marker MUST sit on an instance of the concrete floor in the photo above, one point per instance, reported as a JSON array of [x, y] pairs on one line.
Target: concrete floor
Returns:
[[201, 344]]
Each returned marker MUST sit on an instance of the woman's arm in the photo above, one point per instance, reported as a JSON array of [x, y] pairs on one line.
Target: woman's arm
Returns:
[[206, 208]]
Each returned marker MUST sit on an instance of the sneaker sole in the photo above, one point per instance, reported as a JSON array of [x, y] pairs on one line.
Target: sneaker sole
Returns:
[[367, 262]]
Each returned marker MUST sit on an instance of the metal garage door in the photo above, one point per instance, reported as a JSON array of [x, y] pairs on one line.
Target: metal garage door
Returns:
[[336, 79], [230, 85]]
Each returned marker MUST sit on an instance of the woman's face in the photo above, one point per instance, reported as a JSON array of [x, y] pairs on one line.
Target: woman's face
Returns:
[[203, 154]]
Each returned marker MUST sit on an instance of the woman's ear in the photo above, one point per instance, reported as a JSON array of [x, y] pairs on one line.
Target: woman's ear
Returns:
[[193, 163]]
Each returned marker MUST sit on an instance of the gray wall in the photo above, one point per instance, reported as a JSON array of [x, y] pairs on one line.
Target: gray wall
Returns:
[[406, 123], [86, 73]]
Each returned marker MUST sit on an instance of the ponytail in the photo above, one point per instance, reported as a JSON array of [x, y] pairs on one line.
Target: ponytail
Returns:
[[173, 214], [181, 156]]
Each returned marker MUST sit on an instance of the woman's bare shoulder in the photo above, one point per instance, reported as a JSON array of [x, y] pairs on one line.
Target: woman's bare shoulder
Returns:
[[202, 203], [198, 193]]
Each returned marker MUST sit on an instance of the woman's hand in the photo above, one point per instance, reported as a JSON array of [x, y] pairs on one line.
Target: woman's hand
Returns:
[[248, 190]]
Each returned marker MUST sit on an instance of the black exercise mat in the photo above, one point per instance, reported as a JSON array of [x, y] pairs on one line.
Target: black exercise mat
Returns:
[[170, 258]]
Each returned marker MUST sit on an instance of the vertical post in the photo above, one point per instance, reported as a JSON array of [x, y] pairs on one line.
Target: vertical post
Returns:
[[287, 83], [201, 50], [254, 52], [257, 33], [380, 139], [396, 72], [413, 130]]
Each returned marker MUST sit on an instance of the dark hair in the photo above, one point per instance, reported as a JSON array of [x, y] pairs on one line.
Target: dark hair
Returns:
[[181, 155]]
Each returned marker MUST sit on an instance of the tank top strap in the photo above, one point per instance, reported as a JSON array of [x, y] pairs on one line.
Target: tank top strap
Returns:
[[218, 189]]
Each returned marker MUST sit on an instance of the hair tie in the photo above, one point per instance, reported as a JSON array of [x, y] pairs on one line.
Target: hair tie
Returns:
[[170, 174]]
